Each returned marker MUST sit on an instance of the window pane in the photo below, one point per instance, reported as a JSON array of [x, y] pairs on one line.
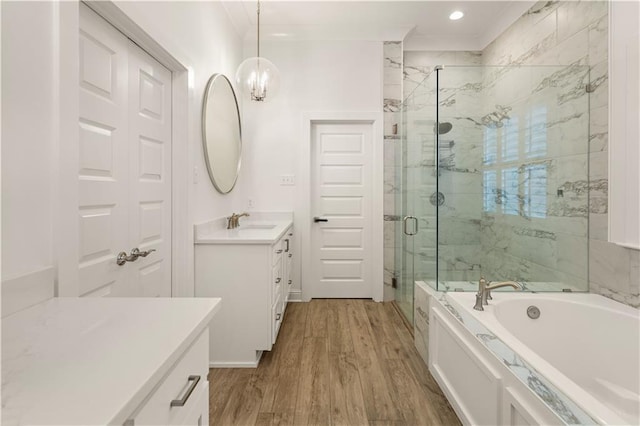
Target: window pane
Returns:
[[490, 144], [535, 186], [536, 143], [490, 189], [510, 191], [510, 140]]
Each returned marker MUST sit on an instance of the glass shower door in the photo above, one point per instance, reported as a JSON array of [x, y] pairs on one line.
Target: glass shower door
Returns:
[[415, 244]]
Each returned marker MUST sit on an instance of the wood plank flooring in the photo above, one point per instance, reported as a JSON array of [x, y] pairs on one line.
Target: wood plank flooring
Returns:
[[336, 362]]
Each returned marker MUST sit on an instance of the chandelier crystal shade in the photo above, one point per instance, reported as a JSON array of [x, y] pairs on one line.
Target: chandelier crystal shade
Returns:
[[258, 79]]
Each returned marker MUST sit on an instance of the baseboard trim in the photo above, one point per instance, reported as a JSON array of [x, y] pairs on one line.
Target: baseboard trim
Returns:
[[232, 364], [295, 296]]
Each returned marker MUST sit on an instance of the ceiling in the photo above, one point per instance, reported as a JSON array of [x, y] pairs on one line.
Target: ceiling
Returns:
[[421, 24]]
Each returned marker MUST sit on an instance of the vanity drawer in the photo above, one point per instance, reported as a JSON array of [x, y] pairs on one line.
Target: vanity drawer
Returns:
[[277, 317], [175, 386], [277, 280], [276, 251]]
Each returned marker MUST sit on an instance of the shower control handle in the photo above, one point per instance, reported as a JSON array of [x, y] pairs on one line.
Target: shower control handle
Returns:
[[404, 225]]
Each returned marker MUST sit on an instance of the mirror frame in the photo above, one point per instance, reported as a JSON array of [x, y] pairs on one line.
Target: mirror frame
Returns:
[[205, 99]]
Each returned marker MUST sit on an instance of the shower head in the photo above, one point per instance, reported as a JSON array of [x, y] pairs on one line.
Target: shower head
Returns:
[[444, 128]]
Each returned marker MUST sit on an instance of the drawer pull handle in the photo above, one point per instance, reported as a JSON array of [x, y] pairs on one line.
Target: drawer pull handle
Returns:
[[279, 251], [180, 402], [278, 280]]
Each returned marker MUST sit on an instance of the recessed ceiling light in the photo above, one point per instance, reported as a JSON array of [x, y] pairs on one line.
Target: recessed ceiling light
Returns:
[[456, 15]]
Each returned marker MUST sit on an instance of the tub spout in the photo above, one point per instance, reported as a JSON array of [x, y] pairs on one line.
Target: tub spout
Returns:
[[484, 291]]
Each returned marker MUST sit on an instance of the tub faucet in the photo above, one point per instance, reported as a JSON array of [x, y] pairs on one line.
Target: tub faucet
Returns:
[[484, 291], [234, 220]]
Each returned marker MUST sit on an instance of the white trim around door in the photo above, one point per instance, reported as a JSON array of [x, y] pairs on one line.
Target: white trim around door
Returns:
[[303, 219], [65, 188]]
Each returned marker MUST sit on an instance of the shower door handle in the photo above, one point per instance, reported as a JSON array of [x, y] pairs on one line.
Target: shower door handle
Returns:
[[404, 224]]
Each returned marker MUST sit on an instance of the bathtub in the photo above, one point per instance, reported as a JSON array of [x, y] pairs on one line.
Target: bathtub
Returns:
[[587, 347]]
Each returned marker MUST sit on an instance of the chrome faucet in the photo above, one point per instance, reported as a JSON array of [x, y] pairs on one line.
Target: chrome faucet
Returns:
[[233, 221], [484, 291]]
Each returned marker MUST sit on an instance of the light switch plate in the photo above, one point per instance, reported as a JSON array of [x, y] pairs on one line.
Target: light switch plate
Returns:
[[287, 180]]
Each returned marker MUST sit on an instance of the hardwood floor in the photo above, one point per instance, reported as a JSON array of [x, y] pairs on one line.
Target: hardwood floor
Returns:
[[336, 361]]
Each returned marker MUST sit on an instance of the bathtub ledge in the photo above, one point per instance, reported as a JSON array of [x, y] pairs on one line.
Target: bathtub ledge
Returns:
[[556, 401]]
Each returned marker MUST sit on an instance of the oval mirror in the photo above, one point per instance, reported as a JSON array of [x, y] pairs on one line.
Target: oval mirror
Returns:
[[221, 133]]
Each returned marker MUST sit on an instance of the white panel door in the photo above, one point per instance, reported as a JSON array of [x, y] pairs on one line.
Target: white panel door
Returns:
[[341, 195], [103, 169], [150, 171], [124, 164]]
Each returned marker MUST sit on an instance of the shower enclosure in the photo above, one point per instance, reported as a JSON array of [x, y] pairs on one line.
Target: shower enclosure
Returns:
[[494, 180]]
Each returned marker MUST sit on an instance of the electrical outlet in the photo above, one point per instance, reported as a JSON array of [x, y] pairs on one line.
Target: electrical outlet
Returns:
[[287, 180]]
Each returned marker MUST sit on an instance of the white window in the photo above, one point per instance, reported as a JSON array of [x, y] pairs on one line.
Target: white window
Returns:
[[536, 138], [510, 191], [535, 191], [490, 186], [510, 140]]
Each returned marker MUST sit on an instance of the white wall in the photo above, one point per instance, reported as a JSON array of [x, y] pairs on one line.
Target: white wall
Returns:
[[199, 33], [315, 76], [208, 42], [28, 131]]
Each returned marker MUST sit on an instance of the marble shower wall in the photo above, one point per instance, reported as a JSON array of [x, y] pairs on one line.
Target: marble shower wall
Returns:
[[574, 34], [392, 92]]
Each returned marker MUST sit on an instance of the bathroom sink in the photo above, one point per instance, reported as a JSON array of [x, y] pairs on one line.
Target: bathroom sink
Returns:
[[256, 226]]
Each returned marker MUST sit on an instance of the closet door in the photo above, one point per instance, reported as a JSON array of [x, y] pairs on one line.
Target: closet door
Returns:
[[150, 171], [103, 169], [125, 165]]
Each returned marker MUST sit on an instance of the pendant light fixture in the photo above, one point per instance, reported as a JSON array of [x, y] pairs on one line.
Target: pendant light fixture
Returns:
[[257, 78]]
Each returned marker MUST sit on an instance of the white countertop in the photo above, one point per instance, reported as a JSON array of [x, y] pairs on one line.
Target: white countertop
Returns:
[[92, 361], [259, 228]]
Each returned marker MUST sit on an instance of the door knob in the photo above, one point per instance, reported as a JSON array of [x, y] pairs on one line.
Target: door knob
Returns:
[[320, 219], [123, 257], [143, 253]]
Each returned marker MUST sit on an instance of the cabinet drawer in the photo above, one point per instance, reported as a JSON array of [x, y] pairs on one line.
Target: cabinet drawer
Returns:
[[175, 386], [199, 415], [277, 317], [276, 252]]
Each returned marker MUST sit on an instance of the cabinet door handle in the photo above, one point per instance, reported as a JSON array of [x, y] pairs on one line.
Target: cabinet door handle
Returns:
[[278, 280], [287, 249], [278, 251], [180, 402], [289, 282], [278, 316], [290, 254]]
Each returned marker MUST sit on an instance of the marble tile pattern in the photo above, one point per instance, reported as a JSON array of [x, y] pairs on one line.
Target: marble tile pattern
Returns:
[[561, 48], [573, 34], [559, 403], [392, 94], [421, 321]]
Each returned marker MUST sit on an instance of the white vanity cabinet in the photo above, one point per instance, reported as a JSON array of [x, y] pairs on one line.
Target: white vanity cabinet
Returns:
[[288, 254], [182, 396], [252, 275], [94, 361]]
